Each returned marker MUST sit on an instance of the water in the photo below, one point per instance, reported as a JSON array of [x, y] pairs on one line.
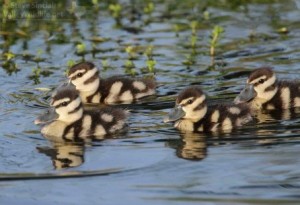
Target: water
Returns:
[[152, 163]]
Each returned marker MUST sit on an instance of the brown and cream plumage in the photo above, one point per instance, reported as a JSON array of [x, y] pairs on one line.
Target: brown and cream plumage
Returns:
[[191, 113], [264, 91], [68, 120], [93, 89]]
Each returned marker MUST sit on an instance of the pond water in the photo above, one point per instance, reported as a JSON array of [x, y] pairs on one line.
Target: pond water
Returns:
[[153, 162]]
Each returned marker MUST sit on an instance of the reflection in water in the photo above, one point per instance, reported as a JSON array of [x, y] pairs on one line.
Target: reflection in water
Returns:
[[64, 155], [273, 127], [271, 115], [67, 153], [190, 146]]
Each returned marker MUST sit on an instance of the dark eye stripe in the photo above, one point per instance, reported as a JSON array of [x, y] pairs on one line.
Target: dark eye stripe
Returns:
[[61, 104], [74, 77], [188, 102]]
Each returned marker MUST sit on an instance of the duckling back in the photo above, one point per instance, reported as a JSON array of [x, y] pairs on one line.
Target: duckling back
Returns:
[[224, 117], [96, 123], [287, 96], [119, 89]]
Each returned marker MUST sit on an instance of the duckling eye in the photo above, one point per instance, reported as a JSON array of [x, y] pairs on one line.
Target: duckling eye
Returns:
[[261, 81], [64, 104], [189, 101], [79, 75]]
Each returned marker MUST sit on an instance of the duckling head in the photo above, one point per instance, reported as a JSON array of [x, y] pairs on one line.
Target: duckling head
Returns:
[[261, 84], [190, 105], [85, 77], [66, 106]]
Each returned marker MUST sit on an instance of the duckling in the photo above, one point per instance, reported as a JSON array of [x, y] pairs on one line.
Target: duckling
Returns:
[[93, 89], [264, 91], [191, 113], [68, 120]]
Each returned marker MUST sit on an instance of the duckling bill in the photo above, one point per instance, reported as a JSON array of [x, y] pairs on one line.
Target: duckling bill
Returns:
[[68, 120], [191, 113], [93, 89], [264, 91]]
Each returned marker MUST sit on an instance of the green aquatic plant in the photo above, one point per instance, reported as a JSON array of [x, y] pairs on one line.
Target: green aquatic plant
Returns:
[[115, 10], [131, 51], [149, 52], [193, 41], [194, 25], [130, 67], [10, 67], [215, 38], [9, 56], [150, 62], [149, 8], [176, 28], [151, 65], [38, 57], [80, 48], [206, 15], [70, 63], [36, 74], [95, 2], [189, 60], [9, 64], [105, 64]]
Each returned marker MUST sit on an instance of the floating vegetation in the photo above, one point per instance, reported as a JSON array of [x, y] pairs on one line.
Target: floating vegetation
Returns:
[[9, 56], [215, 39], [115, 10], [130, 68], [190, 60], [38, 57], [131, 51], [105, 64], [81, 49], [36, 74], [149, 8]]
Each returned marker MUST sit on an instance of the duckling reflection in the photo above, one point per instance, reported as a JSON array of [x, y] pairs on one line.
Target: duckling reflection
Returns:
[[64, 155], [272, 115], [190, 146], [276, 126]]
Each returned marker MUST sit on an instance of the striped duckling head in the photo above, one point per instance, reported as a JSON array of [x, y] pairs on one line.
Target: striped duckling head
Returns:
[[190, 105], [261, 84], [66, 106], [85, 77]]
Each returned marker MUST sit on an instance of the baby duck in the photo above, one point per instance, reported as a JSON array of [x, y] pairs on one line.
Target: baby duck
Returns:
[[67, 120], [191, 113], [93, 89], [264, 91]]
